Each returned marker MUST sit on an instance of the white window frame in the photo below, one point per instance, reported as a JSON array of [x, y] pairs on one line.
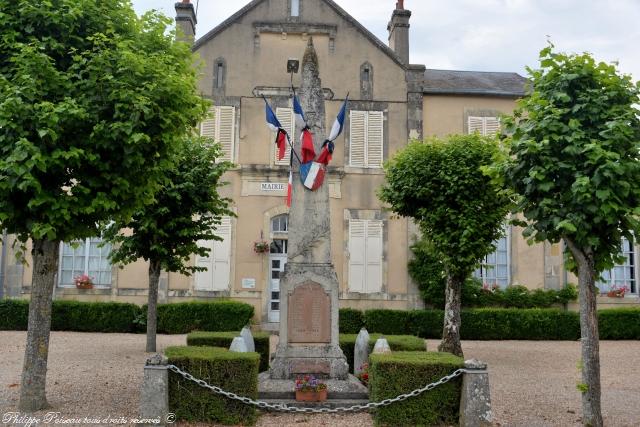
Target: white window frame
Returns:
[[611, 275], [367, 288], [87, 254], [481, 271], [366, 136]]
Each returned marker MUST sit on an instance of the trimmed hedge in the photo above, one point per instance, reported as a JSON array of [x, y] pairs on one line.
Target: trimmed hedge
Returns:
[[619, 324], [396, 373], [177, 318], [234, 372], [184, 317], [505, 323], [396, 343], [224, 339], [351, 320], [14, 314]]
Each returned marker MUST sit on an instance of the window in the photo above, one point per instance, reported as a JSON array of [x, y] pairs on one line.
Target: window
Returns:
[[220, 125], [90, 257], [280, 224], [621, 275], [295, 7], [219, 81], [217, 277], [366, 139], [286, 118], [365, 255], [366, 81], [486, 126], [494, 270]]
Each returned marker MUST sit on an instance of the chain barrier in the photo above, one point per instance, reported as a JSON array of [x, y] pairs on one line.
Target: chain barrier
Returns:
[[285, 408]]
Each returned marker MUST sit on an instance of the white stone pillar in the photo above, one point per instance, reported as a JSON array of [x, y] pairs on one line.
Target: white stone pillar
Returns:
[[475, 401]]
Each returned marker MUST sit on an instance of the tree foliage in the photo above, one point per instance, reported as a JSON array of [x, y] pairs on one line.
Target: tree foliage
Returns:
[[574, 151], [188, 208], [441, 185], [92, 100]]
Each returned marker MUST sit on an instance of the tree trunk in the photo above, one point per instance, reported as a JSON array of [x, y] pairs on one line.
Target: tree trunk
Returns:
[[152, 305], [451, 329], [591, 408], [34, 370]]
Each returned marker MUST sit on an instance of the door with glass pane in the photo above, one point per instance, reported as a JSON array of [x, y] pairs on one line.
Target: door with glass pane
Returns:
[[277, 261]]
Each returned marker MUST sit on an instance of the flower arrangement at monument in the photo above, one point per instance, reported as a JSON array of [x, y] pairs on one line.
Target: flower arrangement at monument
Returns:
[[363, 376], [310, 389], [261, 247], [83, 281]]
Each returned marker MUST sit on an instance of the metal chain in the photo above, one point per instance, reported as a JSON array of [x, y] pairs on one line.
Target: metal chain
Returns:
[[285, 408]]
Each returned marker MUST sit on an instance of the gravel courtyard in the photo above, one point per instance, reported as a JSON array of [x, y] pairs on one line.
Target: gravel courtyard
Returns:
[[532, 383]]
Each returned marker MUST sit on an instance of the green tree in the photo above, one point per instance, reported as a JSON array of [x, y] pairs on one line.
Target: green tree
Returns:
[[93, 100], [166, 233], [574, 163], [442, 186]]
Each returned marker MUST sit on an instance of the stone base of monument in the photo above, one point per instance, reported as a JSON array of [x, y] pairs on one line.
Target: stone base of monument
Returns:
[[340, 392]]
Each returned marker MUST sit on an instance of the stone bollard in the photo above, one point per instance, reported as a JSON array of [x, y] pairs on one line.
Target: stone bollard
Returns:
[[248, 338], [154, 396], [360, 351], [238, 345], [382, 346], [475, 402]]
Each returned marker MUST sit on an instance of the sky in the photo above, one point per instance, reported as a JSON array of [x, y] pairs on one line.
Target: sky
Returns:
[[482, 35]]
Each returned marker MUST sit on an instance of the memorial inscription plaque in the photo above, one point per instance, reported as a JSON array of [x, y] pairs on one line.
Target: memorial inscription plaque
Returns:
[[309, 318]]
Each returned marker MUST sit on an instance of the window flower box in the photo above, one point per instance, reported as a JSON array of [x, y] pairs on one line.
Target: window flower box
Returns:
[[83, 281]]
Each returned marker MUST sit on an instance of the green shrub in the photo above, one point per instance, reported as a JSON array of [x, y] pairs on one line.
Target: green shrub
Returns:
[[93, 316], [396, 373], [619, 324], [391, 322], [234, 372], [426, 323], [351, 320], [396, 343], [14, 314], [184, 317], [224, 339]]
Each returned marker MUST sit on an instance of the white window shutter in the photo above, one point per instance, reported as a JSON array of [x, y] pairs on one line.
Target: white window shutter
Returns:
[[204, 279], [287, 120], [225, 131], [374, 256], [357, 259], [491, 126], [208, 125], [222, 256], [357, 139], [375, 123], [476, 124], [217, 261]]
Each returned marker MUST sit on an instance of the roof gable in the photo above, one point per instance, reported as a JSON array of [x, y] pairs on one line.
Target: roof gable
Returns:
[[333, 5]]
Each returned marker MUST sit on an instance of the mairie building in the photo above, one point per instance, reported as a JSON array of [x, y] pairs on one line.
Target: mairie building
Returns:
[[391, 101]]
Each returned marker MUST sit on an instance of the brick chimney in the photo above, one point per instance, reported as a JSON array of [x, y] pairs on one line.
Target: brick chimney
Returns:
[[186, 21], [399, 31]]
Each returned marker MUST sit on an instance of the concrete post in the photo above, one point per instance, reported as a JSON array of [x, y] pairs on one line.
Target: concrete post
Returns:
[[154, 397], [248, 338], [361, 351], [238, 345], [381, 346], [475, 402]]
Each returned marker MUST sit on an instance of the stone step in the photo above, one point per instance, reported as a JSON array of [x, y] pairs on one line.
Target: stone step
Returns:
[[329, 403], [350, 389]]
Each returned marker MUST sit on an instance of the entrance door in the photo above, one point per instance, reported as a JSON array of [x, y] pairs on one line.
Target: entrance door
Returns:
[[277, 261]]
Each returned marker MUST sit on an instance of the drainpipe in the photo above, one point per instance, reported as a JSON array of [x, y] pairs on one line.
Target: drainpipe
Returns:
[[3, 255]]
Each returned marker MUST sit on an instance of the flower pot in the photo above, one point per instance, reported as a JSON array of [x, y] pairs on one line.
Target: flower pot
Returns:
[[84, 285], [311, 396]]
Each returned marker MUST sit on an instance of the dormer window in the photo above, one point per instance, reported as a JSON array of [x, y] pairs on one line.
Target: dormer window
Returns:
[[295, 8]]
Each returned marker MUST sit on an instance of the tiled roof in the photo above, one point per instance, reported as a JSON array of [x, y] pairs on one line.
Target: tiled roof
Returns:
[[474, 83]]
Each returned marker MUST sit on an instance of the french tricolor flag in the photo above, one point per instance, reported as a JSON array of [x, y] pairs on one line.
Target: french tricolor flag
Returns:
[[327, 147], [274, 125], [312, 174], [301, 121], [289, 188]]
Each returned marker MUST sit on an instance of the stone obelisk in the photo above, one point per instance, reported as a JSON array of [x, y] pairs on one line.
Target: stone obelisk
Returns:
[[309, 286]]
